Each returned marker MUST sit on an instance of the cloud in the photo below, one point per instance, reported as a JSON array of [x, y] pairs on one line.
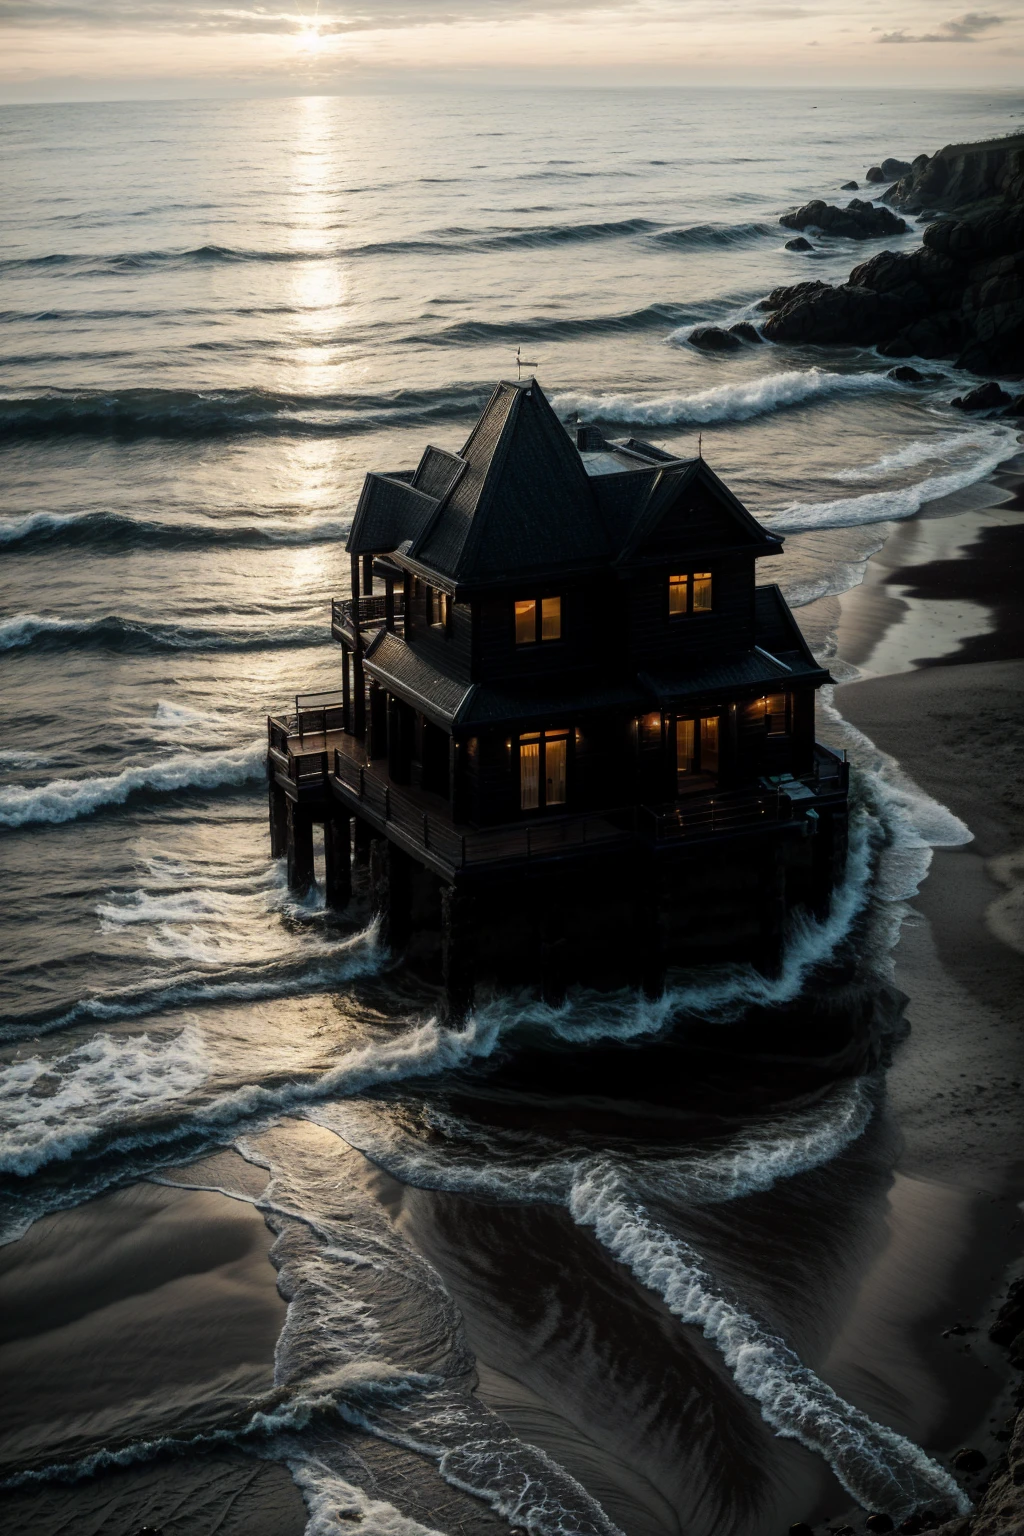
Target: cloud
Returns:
[[209, 16], [961, 29]]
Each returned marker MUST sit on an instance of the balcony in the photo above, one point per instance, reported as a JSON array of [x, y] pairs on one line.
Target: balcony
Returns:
[[368, 615]]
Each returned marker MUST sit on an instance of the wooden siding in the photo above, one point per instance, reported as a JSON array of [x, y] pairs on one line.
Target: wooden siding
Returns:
[[698, 519], [587, 619], [452, 647], [658, 640]]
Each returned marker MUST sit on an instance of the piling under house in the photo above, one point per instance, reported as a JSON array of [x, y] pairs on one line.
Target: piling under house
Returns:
[[573, 739]]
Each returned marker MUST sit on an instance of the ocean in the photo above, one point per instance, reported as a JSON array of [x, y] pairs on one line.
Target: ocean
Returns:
[[216, 317]]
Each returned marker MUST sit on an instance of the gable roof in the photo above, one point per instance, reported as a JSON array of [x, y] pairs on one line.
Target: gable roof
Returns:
[[523, 502], [389, 511], [717, 517]]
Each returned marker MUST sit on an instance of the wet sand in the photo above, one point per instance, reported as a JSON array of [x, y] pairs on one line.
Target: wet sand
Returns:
[[147, 1313], [952, 716]]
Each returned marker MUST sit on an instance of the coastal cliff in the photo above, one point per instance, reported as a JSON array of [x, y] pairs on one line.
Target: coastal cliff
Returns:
[[959, 296]]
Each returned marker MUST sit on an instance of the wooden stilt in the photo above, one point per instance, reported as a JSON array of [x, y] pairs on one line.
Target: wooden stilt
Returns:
[[278, 821], [457, 952], [391, 892], [301, 873], [338, 859]]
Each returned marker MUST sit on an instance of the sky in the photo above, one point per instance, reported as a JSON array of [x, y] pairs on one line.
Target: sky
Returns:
[[103, 49]]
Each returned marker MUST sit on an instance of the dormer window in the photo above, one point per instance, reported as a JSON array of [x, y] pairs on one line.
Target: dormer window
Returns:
[[438, 608], [689, 592], [538, 619]]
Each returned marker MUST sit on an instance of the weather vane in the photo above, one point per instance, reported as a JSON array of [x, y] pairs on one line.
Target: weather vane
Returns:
[[522, 362]]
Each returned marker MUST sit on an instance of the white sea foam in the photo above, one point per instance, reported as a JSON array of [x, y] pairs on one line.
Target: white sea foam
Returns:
[[920, 451], [726, 402], [896, 504], [22, 628], [331, 1501], [13, 758], [53, 1107], [67, 799], [880, 1469]]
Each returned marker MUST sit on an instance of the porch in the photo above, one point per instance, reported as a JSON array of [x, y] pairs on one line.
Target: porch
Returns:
[[318, 764]]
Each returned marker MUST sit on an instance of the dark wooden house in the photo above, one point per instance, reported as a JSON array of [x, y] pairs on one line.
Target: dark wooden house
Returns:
[[577, 738]]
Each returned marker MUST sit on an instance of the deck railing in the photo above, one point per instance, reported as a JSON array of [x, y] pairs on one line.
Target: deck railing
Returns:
[[372, 612], [738, 811]]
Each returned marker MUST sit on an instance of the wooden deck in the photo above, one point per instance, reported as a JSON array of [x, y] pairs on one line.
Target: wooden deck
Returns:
[[323, 767]]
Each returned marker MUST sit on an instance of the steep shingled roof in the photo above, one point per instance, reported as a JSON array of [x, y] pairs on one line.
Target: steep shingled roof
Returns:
[[389, 510], [524, 501]]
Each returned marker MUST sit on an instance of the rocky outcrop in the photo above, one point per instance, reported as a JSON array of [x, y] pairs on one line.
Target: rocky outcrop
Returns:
[[712, 338], [798, 243], [960, 296], [857, 221], [962, 176], [987, 397]]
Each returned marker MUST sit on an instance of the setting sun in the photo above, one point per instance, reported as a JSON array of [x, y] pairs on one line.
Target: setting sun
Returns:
[[309, 40]]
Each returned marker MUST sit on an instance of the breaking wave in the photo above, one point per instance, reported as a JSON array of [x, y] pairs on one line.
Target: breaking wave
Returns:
[[190, 413], [704, 235], [895, 505], [123, 634], [726, 402], [67, 799], [113, 529]]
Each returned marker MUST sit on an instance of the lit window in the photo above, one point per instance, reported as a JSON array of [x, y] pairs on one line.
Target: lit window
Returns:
[[543, 769], [529, 773], [696, 747], [776, 714], [689, 593], [678, 594], [709, 744], [702, 591], [685, 754], [551, 618], [538, 619], [526, 622], [437, 608]]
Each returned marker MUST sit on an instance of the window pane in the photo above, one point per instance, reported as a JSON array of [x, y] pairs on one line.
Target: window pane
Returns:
[[555, 756], [702, 591], [775, 714], [677, 586], [526, 622], [684, 747], [551, 618], [709, 744], [529, 775]]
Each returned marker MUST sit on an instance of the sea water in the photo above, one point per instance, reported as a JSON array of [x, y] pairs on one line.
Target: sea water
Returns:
[[216, 317]]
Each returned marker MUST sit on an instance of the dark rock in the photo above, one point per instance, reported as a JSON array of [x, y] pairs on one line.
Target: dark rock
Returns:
[[911, 1526], [857, 221], [969, 1459], [1010, 1317], [843, 1530], [907, 375], [880, 1524], [892, 169], [1017, 1351], [792, 292], [149, 1530], [985, 398], [850, 186], [799, 244], [800, 1529], [747, 332], [711, 338], [875, 174], [962, 175]]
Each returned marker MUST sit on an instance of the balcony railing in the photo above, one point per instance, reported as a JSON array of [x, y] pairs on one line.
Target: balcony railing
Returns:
[[371, 615], [739, 811]]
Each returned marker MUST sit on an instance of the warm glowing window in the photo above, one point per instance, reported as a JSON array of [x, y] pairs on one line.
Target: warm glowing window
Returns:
[[776, 714], [689, 592], [526, 622], [686, 755], [538, 619], [551, 618], [543, 769], [709, 744], [696, 747], [438, 608]]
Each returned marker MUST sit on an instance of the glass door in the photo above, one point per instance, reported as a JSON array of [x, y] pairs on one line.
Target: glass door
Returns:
[[543, 770]]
